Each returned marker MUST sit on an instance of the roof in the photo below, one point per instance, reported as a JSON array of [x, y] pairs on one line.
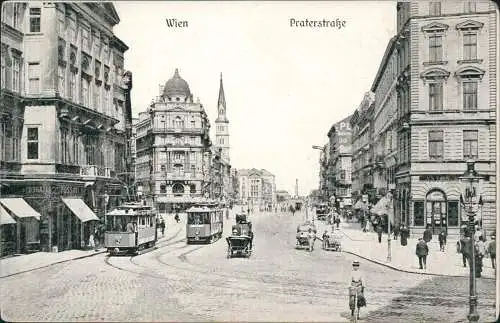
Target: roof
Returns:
[[176, 86], [388, 50], [197, 209]]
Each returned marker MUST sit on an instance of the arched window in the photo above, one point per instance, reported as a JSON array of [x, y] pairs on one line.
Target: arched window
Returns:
[[178, 188], [192, 188], [178, 122], [163, 188], [435, 211], [163, 168]]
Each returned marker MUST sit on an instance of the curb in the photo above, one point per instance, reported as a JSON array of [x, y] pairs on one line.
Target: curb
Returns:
[[76, 258], [54, 263], [408, 271]]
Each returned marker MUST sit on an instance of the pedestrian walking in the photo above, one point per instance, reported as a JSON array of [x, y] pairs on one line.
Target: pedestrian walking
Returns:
[[91, 241], [96, 239], [492, 250], [162, 226], [465, 248], [428, 234], [379, 232], [442, 240], [397, 232], [422, 250], [337, 220], [405, 234]]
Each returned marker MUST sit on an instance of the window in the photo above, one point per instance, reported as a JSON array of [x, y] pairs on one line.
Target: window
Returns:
[[72, 85], [97, 98], [163, 189], [435, 48], [470, 46], [17, 15], [453, 214], [469, 96], [75, 148], [16, 70], [470, 144], [434, 8], [16, 135], [178, 122], [436, 97], [85, 40], [193, 124], [436, 144], [470, 6], [32, 143], [418, 213], [61, 81], [4, 68], [34, 78], [64, 146], [35, 14], [72, 31]]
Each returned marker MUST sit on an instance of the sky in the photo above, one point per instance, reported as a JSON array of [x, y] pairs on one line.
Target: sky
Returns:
[[284, 85]]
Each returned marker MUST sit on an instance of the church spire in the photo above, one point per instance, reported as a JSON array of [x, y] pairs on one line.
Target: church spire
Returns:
[[222, 98]]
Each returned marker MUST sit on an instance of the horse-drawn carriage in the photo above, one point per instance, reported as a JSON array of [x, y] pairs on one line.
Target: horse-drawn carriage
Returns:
[[332, 240], [322, 211], [241, 240], [306, 234]]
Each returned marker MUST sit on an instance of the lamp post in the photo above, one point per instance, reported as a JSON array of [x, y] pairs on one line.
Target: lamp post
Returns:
[[470, 177], [389, 258]]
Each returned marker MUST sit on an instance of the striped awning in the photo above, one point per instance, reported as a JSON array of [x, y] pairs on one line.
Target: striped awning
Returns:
[[5, 217], [80, 209], [19, 207]]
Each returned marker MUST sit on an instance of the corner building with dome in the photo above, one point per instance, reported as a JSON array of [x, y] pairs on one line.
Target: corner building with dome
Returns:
[[173, 150]]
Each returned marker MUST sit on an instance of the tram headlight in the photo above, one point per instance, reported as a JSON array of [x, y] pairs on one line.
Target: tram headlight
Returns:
[[197, 232]]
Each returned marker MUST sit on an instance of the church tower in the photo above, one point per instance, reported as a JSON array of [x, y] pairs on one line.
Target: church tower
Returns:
[[222, 125]]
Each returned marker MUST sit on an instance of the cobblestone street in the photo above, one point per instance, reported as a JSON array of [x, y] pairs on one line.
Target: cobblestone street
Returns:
[[179, 282]]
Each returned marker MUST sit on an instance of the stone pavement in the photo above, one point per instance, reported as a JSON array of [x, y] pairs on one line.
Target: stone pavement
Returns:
[[365, 245], [27, 262]]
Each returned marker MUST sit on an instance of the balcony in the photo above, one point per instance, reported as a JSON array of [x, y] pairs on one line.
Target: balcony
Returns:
[[95, 171], [198, 131]]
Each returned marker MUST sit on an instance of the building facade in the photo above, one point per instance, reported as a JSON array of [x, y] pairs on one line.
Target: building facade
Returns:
[[447, 102], [340, 163], [362, 153], [384, 135], [257, 189], [173, 149], [64, 116]]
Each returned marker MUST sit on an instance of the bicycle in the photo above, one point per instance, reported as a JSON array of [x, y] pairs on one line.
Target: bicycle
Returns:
[[355, 308]]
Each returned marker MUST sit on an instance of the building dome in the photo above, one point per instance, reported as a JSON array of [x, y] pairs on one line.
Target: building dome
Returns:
[[176, 86]]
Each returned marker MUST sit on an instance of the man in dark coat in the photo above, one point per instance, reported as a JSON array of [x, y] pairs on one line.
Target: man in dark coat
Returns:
[[428, 234], [379, 232], [442, 239], [422, 250], [465, 249], [492, 251], [405, 233]]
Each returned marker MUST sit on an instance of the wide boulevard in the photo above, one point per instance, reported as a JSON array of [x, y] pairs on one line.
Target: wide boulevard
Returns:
[[179, 282]]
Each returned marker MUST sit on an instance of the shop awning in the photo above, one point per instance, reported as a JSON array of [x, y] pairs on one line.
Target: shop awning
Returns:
[[19, 207], [80, 209], [5, 217]]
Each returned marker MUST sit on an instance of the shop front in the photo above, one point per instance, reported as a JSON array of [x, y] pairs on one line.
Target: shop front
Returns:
[[20, 225]]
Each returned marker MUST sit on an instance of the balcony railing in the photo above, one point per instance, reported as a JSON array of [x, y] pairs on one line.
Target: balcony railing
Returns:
[[95, 171], [178, 130]]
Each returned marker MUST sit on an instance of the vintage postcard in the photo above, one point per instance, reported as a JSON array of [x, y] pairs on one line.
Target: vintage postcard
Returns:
[[228, 161]]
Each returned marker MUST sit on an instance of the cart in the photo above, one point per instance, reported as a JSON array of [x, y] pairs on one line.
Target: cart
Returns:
[[239, 245], [332, 241], [303, 235]]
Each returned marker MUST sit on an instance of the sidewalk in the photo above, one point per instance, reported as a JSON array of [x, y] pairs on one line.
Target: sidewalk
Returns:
[[28, 262], [365, 245]]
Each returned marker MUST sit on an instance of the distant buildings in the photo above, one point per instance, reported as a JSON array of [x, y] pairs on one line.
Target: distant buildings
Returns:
[[257, 188], [65, 122], [173, 149], [431, 108], [176, 162]]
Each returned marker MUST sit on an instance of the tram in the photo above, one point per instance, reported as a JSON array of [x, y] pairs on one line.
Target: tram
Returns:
[[131, 227], [204, 223]]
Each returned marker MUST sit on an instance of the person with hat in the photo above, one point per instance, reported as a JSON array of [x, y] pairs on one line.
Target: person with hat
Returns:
[[492, 251], [422, 250], [356, 286]]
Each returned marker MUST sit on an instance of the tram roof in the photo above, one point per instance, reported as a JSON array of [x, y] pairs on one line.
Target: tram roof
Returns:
[[195, 209], [132, 209]]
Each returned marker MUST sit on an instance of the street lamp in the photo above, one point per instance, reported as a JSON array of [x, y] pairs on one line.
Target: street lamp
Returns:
[[471, 176]]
